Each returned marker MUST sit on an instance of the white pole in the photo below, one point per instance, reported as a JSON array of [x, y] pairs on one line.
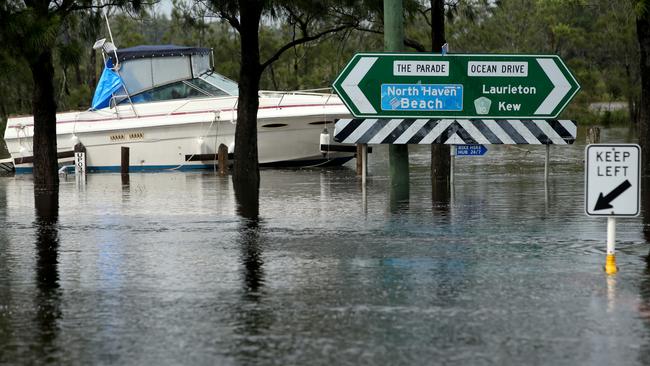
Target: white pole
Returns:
[[108, 25], [452, 162], [548, 152], [611, 235], [364, 199], [610, 261], [364, 163]]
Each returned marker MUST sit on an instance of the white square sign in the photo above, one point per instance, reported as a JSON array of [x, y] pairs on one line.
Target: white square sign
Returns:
[[612, 180]]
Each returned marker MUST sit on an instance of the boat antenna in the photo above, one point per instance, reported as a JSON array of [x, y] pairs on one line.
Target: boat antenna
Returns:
[[110, 34], [108, 25]]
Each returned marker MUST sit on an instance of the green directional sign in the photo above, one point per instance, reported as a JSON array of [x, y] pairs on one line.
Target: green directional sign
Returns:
[[417, 85]]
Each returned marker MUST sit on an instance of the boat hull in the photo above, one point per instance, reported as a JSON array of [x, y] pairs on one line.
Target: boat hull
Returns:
[[184, 137]]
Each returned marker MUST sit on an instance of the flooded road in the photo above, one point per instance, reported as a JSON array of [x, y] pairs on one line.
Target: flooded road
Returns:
[[163, 270]]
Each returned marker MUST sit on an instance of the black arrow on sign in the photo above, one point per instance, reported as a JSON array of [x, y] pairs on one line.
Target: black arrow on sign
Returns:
[[603, 201]]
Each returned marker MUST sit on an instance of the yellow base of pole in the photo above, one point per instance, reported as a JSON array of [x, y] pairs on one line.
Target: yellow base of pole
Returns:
[[610, 264]]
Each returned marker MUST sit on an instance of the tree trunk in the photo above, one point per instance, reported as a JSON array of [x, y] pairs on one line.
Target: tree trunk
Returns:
[[398, 154], [44, 109], [643, 35], [437, 25], [440, 160], [246, 174]]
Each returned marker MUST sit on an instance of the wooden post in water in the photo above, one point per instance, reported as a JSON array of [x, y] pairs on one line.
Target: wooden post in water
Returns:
[[124, 166], [359, 159], [593, 135], [362, 162], [222, 156], [126, 180]]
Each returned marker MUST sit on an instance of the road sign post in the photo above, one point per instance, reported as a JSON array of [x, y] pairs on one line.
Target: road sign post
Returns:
[[612, 187], [398, 156], [416, 85]]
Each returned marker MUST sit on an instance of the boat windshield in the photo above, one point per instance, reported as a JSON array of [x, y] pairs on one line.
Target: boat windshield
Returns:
[[221, 82], [209, 84]]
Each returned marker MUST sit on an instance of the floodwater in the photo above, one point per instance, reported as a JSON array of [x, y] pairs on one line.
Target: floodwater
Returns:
[[163, 271]]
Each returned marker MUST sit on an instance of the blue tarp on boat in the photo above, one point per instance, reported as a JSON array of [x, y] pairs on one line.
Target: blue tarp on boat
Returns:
[[109, 83]]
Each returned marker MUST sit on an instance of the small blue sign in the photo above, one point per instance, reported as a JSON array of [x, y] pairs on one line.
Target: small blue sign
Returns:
[[470, 150], [421, 97]]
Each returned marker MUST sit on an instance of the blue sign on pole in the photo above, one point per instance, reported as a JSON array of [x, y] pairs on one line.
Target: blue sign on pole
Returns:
[[470, 150]]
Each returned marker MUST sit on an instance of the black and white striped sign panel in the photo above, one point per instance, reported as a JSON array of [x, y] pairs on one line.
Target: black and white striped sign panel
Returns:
[[455, 131]]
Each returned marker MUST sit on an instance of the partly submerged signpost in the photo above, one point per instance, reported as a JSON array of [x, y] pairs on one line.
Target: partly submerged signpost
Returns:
[[417, 85], [404, 98], [612, 188]]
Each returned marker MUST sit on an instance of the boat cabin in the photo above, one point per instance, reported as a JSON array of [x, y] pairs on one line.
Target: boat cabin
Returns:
[[144, 74]]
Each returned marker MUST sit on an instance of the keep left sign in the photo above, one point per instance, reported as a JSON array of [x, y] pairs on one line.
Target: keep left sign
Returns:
[[612, 179]]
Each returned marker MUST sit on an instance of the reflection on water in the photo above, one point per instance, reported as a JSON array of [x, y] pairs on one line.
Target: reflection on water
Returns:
[[48, 294], [399, 197], [249, 232], [254, 318], [126, 179], [399, 193], [441, 196], [644, 286], [644, 290], [247, 200], [175, 268], [645, 205]]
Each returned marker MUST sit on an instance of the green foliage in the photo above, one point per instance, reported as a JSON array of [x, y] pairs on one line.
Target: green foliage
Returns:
[[642, 7], [68, 29], [596, 38], [15, 82]]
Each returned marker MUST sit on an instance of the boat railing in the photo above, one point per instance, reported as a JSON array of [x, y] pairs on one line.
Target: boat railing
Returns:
[[115, 102], [229, 103], [281, 101], [322, 92], [226, 108]]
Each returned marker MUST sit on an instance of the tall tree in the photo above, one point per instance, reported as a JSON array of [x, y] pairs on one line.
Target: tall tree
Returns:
[[643, 35], [246, 174], [440, 160], [311, 20], [31, 29]]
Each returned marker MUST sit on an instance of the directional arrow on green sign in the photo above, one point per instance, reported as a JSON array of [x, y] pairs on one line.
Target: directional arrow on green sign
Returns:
[[417, 85]]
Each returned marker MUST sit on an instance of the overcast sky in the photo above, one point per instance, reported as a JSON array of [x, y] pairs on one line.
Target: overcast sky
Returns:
[[164, 7]]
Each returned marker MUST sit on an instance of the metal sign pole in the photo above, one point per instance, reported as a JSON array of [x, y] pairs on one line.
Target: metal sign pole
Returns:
[[612, 188], [610, 261], [364, 164], [452, 153], [548, 153]]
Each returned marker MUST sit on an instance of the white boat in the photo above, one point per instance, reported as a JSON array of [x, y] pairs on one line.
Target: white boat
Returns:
[[173, 111]]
